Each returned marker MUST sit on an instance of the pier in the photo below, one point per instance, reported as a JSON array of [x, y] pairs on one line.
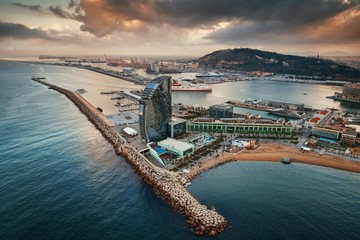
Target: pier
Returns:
[[169, 185], [110, 73], [250, 106]]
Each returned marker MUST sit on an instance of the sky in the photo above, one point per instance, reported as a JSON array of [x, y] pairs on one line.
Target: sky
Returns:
[[178, 27]]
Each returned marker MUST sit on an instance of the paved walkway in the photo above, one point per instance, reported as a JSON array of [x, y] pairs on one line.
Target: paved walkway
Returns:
[[97, 112]]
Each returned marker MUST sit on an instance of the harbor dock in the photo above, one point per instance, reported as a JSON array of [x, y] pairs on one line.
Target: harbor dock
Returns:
[[169, 185]]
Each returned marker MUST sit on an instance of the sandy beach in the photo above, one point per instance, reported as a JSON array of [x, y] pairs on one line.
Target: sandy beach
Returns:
[[274, 152]]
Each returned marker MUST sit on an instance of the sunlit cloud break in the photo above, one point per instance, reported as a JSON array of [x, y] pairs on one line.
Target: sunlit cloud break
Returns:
[[298, 25]]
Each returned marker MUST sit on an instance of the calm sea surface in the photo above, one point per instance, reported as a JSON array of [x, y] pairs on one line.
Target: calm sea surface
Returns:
[[59, 179]]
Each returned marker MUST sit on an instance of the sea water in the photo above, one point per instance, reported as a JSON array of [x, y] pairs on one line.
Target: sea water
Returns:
[[59, 179]]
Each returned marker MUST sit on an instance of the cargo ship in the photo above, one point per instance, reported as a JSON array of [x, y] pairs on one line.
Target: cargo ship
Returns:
[[176, 86]]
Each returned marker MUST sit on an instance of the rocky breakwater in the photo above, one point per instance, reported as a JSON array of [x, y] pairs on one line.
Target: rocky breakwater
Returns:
[[204, 220], [169, 185]]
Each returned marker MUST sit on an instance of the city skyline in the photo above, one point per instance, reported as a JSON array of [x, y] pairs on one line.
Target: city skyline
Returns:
[[179, 28]]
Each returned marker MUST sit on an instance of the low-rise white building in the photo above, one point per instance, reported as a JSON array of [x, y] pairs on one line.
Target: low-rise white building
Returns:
[[178, 147], [130, 131], [240, 143]]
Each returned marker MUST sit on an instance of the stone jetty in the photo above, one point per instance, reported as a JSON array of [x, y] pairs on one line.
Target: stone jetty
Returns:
[[169, 185]]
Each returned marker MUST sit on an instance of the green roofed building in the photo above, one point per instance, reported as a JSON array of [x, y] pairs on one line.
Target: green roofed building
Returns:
[[241, 128]]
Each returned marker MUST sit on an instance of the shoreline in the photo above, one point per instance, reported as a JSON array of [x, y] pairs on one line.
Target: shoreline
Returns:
[[89, 68], [125, 78], [275, 152]]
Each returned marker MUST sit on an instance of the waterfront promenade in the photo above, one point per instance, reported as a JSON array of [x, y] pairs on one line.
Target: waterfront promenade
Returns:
[[169, 185], [95, 111], [275, 152]]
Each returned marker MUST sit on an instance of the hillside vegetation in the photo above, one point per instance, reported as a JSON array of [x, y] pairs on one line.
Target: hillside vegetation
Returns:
[[246, 59]]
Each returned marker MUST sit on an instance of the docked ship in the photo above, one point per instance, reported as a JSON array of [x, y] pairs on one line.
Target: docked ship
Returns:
[[210, 75], [176, 86], [281, 112], [350, 93]]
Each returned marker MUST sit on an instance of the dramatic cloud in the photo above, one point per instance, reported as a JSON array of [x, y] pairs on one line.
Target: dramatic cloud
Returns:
[[59, 12], [19, 31], [225, 23], [35, 8], [341, 28], [73, 11], [248, 18], [296, 12]]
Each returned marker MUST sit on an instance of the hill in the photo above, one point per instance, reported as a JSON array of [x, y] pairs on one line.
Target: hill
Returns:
[[246, 59]]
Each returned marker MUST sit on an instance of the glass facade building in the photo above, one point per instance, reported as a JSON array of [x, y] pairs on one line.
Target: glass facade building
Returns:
[[177, 127], [155, 110], [221, 111]]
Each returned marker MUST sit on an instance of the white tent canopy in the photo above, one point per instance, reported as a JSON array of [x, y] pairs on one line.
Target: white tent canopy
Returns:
[[130, 131]]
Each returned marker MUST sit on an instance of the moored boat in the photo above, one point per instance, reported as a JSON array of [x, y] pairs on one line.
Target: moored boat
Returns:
[[176, 83], [285, 160], [210, 75]]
